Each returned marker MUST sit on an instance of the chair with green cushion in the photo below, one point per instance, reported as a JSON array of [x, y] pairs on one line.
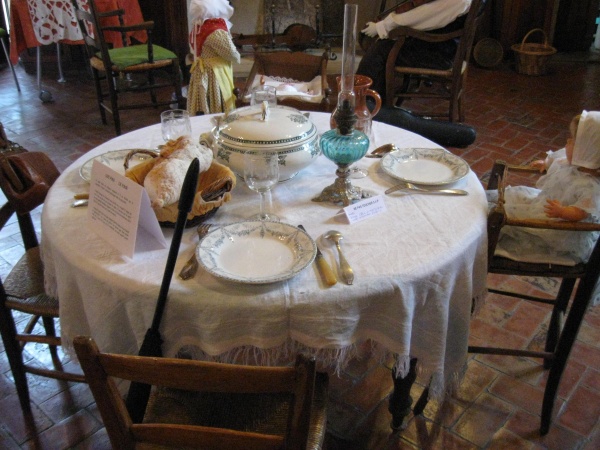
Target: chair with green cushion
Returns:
[[131, 69], [3, 36]]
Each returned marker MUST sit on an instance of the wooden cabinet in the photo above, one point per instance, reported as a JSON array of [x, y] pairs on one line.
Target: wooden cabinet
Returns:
[[569, 24], [170, 24], [576, 24], [513, 19]]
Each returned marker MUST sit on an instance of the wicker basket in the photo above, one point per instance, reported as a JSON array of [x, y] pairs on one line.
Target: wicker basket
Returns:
[[532, 58], [488, 53], [214, 189]]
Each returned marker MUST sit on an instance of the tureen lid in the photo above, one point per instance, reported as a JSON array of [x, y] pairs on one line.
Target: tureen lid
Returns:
[[281, 127]]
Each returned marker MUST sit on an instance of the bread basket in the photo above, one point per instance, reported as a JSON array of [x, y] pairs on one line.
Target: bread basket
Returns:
[[214, 189]]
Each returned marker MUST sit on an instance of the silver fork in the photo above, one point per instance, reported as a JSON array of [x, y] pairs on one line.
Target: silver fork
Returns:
[[190, 268]]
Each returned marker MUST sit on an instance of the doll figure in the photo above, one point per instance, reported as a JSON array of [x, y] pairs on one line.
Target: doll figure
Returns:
[[211, 75], [570, 190]]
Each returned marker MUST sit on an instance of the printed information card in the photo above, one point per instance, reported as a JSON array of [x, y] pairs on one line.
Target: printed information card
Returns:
[[364, 208], [119, 211]]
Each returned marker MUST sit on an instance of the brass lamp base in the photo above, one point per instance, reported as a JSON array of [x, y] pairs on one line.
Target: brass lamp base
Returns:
[[342, 190]]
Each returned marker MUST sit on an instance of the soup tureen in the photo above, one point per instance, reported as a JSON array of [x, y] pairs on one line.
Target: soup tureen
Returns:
[[266, 129]]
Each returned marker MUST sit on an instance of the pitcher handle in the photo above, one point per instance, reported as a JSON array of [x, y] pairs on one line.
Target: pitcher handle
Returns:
[[371, 93]]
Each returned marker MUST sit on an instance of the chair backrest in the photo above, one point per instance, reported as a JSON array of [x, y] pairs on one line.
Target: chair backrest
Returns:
[[297, 66], [89, 24], [465, 46], [25, 179], [195, 376]]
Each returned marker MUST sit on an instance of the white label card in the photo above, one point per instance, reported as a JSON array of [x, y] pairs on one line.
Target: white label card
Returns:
[[364, 208], [119, 211]]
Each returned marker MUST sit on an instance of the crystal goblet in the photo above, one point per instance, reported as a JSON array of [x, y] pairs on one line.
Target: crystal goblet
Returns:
[[175, 123], [261, 173]]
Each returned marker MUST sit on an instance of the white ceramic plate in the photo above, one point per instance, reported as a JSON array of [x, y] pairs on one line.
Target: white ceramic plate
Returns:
[[114, 160], [427, 166], [256, 252]]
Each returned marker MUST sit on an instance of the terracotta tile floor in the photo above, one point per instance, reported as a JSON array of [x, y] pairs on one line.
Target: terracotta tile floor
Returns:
[[517, 118]]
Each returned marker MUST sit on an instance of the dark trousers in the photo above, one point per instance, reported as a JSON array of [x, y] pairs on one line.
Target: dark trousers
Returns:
[[414, 53]]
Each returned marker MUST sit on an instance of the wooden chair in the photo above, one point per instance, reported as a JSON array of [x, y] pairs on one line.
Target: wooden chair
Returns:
[[564, 321], [450, 82], [22, 292], [131, 69], [293, 66], [196, 404]]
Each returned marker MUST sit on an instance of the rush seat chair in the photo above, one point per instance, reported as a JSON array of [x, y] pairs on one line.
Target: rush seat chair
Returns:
[[22, 291], [198, 404], [123, 75]]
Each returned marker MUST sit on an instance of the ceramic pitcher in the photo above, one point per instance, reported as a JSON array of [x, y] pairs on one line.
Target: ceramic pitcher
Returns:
[[361, 92]]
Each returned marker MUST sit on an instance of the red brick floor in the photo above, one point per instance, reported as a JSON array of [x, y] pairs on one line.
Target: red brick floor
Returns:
[[517, 118]]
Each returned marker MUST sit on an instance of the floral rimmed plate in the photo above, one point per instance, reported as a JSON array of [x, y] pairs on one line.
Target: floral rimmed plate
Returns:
[[113, 159], [426, 166], [256, 252]]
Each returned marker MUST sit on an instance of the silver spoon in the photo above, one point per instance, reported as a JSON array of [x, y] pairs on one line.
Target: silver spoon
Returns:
[[336, 237], [380, 151], [411, 187]]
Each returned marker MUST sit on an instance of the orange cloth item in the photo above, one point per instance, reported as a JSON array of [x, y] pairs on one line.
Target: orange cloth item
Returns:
[[23, 36]]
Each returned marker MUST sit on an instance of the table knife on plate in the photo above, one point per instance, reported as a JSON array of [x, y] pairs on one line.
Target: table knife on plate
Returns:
[[324, 268]]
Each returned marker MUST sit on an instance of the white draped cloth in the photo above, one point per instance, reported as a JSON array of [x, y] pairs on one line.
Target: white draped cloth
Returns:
[[53, 21], [417, 266]]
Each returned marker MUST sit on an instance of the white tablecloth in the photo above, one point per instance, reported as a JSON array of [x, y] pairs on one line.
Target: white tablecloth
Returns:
[[417, 268]]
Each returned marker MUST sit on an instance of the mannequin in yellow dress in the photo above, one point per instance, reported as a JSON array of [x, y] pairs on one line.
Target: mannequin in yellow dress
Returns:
[[211, 76]]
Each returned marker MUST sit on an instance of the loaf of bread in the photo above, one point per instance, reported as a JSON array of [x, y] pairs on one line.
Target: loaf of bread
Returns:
[[164, 180]]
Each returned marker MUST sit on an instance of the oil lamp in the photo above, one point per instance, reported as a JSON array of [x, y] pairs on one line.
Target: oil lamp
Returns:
[[344, 145]]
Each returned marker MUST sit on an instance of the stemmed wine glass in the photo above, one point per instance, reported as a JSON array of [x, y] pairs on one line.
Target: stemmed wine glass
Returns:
[[261, 173], [175, 123]]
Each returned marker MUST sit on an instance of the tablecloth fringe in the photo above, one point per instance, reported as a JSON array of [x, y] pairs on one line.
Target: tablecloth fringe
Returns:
[[334, 359]]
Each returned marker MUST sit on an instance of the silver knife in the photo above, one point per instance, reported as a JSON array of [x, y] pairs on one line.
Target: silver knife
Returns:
[[324, 268]]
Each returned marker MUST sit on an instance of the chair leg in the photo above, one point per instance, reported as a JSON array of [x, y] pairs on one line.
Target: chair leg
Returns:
[[15, 359], [51, 331], [563, 350], [114, 106], [10, 64], [400, 401], [177, 80], [152, 91], [27, 228], [99, 94], [558, 312]]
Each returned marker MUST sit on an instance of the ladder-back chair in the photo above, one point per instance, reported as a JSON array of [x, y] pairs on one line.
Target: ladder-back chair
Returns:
[[128, 71], [198, 404], [450, 83]]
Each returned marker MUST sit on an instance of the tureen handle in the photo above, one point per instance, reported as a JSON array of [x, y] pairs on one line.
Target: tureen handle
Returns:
[[265, 110]]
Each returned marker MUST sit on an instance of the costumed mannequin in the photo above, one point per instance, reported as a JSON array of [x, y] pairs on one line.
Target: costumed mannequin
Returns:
[[569, 191], [439, 15], [211, 76]]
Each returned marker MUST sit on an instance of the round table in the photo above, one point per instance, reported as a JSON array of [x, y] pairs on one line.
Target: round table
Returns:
[[418, 265]]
